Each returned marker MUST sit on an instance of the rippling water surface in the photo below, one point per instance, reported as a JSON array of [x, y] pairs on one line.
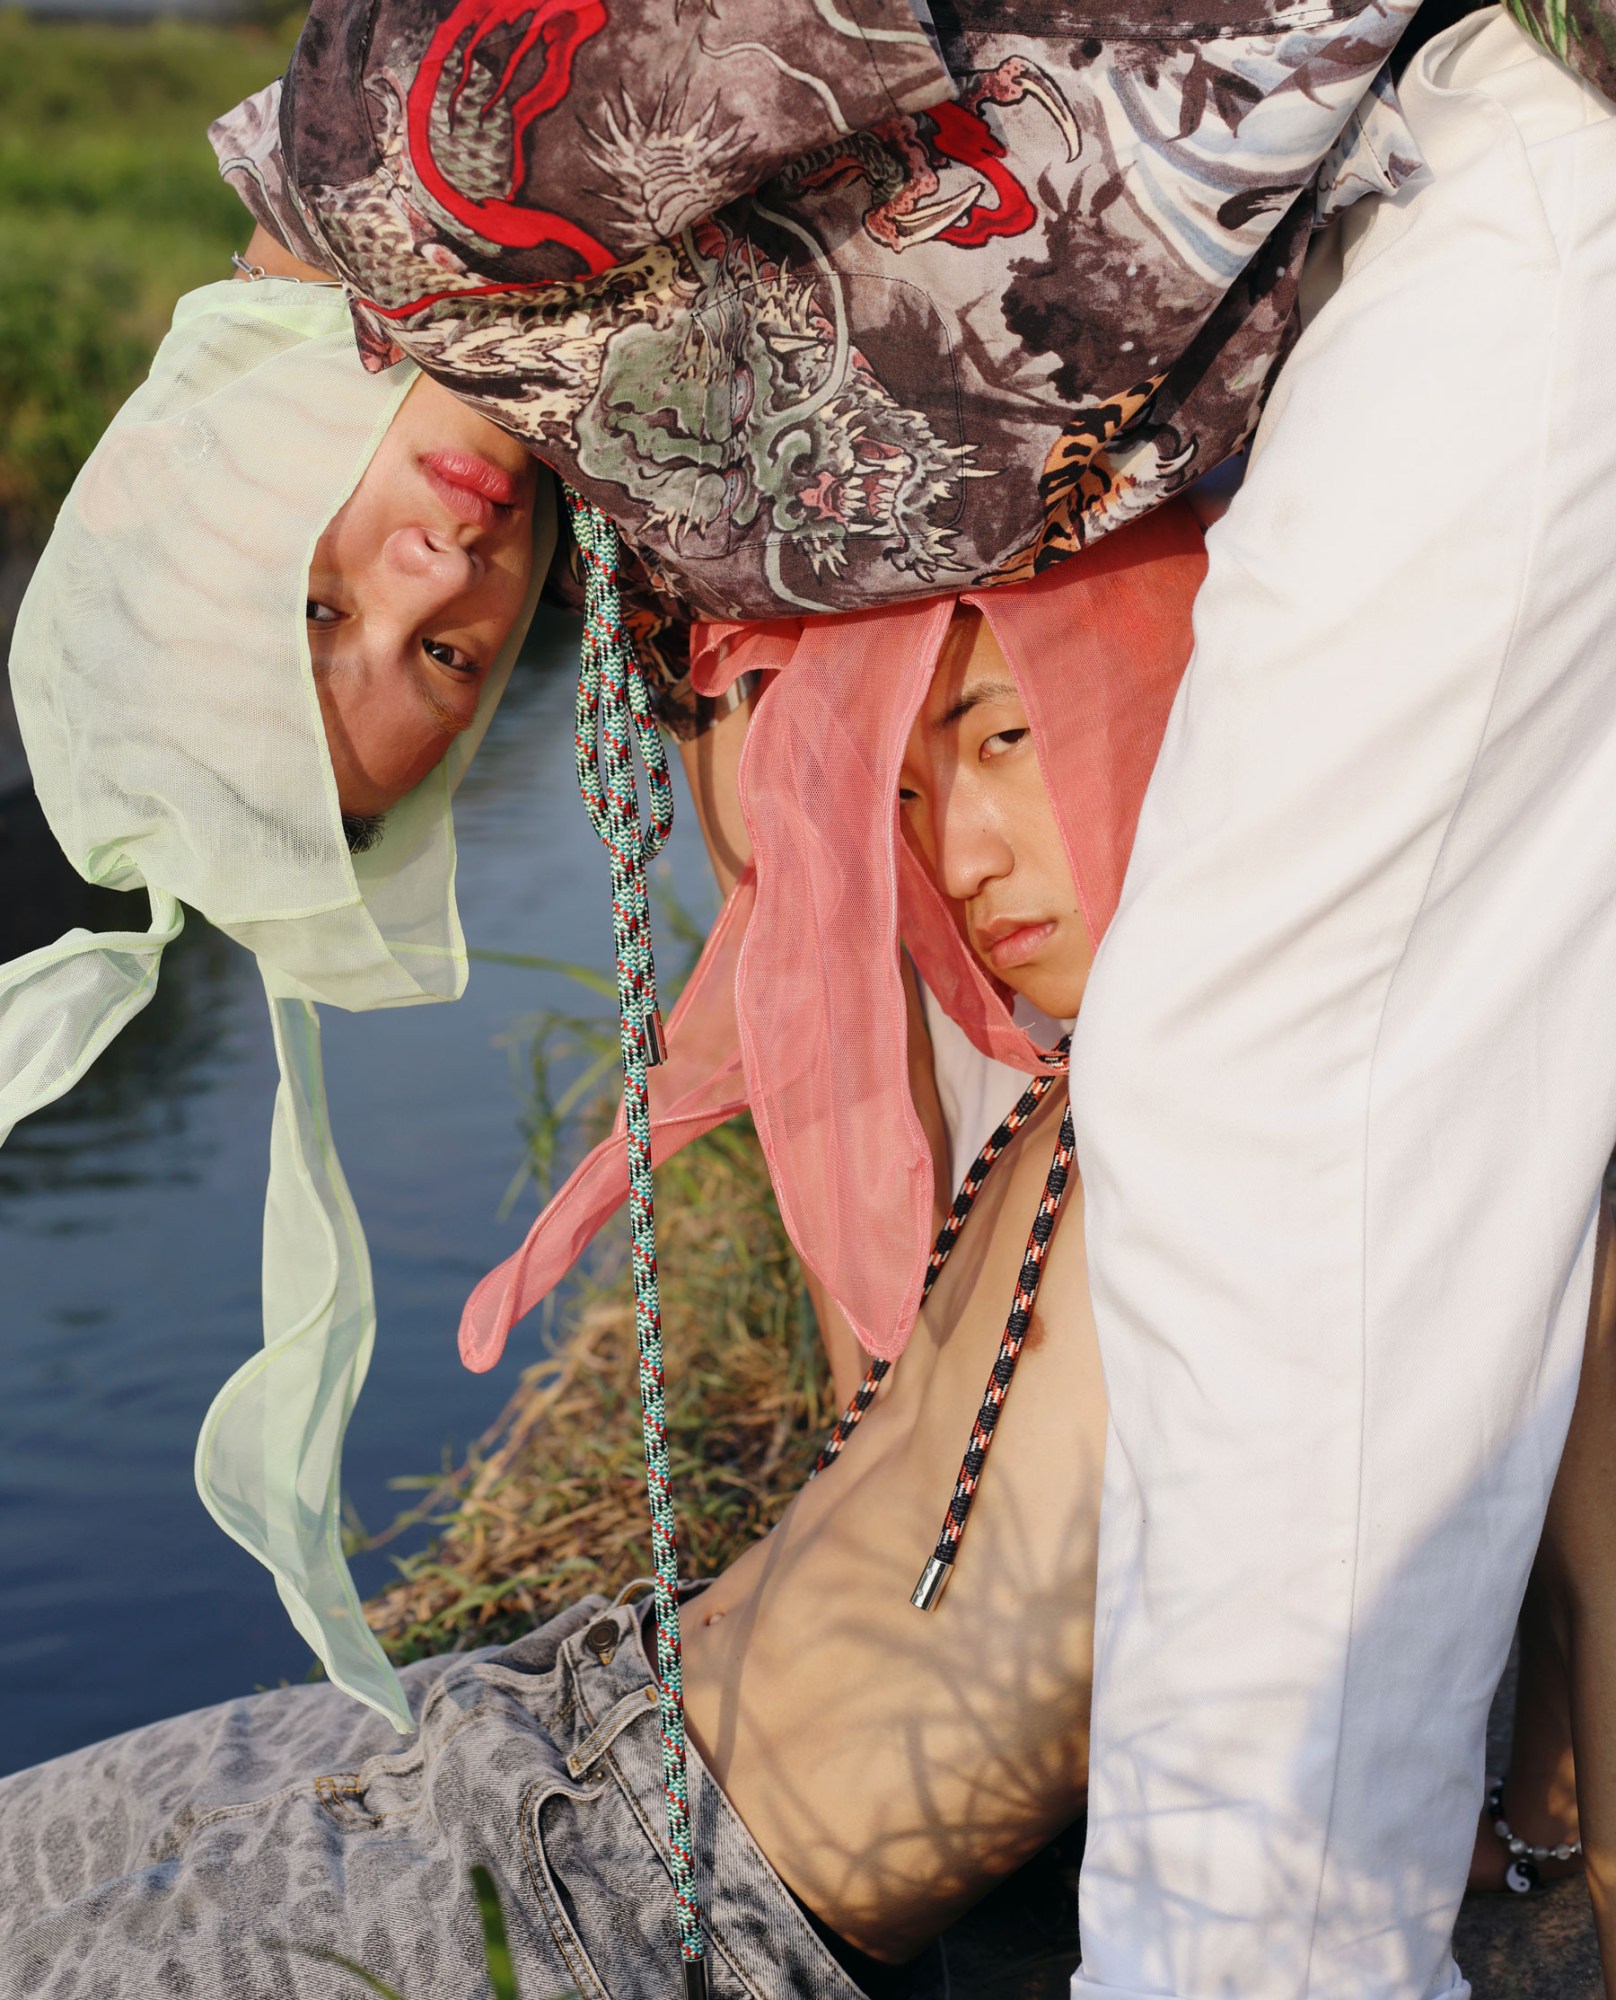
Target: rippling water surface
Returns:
[[129, 1242]]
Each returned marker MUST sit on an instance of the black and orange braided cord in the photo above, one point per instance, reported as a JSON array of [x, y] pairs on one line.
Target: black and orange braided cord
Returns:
[[938, 1569]]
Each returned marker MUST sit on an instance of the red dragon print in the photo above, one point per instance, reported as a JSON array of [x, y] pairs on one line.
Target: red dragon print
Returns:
[[900, 160], [558, 29], [963, 136]]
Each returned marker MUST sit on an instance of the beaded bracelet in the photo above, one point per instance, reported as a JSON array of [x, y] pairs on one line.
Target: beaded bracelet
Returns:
[[1521, 1876]]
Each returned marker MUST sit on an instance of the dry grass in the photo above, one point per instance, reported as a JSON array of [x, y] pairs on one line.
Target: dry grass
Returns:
[[552, 1503]]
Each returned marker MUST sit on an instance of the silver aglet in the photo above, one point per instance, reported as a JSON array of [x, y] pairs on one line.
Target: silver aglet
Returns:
[[695, 1978], [656, 1043], [927, 1594]]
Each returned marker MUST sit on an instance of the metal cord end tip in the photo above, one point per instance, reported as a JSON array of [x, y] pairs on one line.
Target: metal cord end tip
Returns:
[[927, 1594], [695, 1978], [656, 1053]]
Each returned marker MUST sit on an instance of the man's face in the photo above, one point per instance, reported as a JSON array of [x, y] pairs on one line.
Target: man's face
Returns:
[[413, 591], [975, 809]]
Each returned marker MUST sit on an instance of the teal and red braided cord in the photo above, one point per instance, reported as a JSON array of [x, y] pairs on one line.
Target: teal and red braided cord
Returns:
[[614, 718]]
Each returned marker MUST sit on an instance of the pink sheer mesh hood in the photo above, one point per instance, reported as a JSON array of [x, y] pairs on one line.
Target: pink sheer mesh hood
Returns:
[[796, 1007]]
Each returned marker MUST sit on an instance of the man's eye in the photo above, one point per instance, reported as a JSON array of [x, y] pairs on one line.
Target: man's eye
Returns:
[[906, 797], [320, 614], [1002, 740], [448, 656]]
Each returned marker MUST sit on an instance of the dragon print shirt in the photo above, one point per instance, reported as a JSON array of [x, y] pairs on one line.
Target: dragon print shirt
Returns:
[[830, 303]]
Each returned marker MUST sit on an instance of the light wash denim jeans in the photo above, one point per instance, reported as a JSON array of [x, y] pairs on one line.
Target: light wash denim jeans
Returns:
[[184, 1859]]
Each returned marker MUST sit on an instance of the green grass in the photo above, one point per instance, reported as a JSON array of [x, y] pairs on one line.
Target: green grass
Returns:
[[111, 206]]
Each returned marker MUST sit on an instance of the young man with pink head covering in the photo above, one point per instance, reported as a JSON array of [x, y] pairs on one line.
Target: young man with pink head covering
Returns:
[[797, 1007]]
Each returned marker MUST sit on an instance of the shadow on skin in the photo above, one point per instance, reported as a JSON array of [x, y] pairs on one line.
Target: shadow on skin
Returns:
[[894, 1764]]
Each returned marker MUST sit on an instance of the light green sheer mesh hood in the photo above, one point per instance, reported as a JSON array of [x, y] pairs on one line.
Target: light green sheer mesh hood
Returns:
[[162, 680]]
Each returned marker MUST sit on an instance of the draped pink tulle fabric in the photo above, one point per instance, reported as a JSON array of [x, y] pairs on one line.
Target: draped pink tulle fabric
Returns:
[[799, 992], [698, 1087]]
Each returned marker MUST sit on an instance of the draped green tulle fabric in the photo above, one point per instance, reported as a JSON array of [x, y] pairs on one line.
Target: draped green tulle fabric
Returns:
[[164, 688]]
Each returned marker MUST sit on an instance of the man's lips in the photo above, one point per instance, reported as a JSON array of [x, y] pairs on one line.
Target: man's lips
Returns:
[[1013, 941], [470, 486]]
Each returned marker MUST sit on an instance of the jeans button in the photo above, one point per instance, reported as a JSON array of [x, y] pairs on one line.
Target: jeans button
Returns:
[[601, 1639]]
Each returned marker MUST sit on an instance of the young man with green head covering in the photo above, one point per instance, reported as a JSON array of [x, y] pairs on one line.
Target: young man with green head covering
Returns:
[[181, 745]]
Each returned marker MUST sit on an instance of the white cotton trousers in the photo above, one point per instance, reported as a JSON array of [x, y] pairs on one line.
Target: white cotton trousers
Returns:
[[1345, 1082]]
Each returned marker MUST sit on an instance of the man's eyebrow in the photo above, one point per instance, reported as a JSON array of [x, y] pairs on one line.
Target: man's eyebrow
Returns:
[[447, 720], [442, 714], [973, 696]]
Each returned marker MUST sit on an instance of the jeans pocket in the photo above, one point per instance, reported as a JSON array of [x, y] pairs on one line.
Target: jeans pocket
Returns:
[[571, 1886]]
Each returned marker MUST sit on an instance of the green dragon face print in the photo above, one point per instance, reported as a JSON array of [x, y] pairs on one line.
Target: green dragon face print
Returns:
[[819, 323], [756, 417]]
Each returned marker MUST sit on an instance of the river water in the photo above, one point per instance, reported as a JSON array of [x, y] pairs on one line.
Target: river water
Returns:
[[129, 1242]]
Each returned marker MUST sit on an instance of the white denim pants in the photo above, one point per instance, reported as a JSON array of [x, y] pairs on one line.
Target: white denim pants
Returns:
[[1345, 1081]]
